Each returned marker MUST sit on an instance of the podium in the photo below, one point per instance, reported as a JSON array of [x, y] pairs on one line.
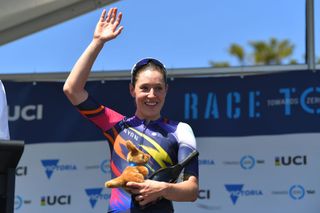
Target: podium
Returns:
[[10, 154]]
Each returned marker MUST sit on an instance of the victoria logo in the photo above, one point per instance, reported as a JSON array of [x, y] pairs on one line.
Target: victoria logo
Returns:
[[206, 162], [291, 160], [96, 194], [52, 165], [236, 191]]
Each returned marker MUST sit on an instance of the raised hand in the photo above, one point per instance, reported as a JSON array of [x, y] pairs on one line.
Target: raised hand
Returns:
[[108, 26]]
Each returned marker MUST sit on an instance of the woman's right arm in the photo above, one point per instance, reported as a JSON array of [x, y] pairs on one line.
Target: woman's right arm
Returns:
[[107, 29]]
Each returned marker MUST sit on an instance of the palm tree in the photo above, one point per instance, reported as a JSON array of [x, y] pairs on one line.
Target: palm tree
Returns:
[[219, 64], [237, 51], [272, 52]]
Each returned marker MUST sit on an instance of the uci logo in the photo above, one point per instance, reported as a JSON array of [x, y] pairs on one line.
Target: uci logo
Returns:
[[56, 200], [21, 171], [204, 194], [27, 113], [286, 161]]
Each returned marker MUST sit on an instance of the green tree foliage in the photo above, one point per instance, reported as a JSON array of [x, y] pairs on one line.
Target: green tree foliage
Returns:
[[238, 51], [219, 64], [271, 52]]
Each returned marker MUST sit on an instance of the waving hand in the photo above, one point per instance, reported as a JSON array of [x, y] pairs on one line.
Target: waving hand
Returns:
[[108, 26]]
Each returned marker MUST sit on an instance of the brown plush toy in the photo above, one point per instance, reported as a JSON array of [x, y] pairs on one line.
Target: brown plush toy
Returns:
[[135, 173]]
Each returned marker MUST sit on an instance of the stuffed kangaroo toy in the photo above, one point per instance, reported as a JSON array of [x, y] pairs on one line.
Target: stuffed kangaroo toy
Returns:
[[135, 173]]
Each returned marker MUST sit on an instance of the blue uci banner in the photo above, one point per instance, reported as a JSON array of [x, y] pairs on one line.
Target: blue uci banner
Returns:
[[226, 106], [40, 112]]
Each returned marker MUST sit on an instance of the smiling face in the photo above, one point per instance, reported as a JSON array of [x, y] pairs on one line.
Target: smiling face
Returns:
[[149, 92]]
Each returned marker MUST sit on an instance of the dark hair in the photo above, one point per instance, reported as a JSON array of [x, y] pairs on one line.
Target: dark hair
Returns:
[[147, 63]]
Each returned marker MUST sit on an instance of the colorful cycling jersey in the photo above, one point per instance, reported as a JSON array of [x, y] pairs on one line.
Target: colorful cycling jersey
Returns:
[[167, 142]]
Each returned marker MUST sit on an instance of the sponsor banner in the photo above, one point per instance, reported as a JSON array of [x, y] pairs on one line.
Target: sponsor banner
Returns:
[[227, 106], [238, 183], [63, 176], [237, 174]]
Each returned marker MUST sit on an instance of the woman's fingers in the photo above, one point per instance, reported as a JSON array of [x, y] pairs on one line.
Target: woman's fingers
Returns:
[[103, 14], [113, 15], [109, 15], [118, 20], [139, 198], [133, 185], [118, 31]]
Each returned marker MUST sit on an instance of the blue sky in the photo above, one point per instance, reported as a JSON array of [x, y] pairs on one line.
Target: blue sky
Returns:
[[180, 33]]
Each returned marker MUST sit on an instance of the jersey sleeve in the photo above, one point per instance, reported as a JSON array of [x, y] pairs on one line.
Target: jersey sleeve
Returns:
[[187, 144], [103, 117]]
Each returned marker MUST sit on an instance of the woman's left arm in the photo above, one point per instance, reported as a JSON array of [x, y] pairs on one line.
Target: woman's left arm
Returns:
[[183, 191]]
